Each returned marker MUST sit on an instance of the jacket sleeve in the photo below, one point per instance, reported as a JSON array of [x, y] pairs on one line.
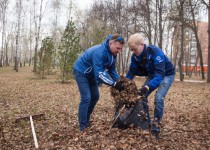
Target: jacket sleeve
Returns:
[[132, 69], [113, 73], [99, 71], [159, 63]]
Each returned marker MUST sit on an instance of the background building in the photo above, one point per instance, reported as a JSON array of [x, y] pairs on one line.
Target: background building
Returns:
[[191, 62]]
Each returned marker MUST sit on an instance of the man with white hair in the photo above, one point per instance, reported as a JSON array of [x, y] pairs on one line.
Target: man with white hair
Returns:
[[150, 61]]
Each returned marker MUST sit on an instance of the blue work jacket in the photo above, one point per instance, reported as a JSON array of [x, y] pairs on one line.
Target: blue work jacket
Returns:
[[151, 62], [98, 63]]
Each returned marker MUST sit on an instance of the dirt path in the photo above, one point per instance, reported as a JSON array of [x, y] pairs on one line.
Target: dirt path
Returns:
[[186, 123], [193, 81]]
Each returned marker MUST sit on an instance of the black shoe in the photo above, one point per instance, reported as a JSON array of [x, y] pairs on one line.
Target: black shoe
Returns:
[[155, 129]]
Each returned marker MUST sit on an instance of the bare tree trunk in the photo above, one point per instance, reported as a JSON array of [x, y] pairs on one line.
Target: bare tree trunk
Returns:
[[63, 73], [119, 63], [182, 41], [197, 40], [36, 40], [12, 53], [175, 46], [208, 74], [185, 54], [30, 40], [167, 42], [201, 59], [156, 22], [122, 62], [208, 69], [177, 51], [16, 54], [190, 51], [6, 54], [148, 19], [4, 5], [37, 35], [127, 51], [2, 46], [56, 7], [19, 9], [160, 43], [1, 59], [20, 59], [195, 66], [171, 56]]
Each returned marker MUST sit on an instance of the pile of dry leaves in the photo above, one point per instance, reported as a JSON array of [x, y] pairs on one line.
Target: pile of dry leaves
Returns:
[[128, 95]]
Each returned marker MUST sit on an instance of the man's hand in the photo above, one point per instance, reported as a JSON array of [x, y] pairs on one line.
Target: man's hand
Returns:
[[143, 90], [119, 86]]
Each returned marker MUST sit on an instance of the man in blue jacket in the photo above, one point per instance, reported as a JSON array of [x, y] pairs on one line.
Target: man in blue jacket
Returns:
[[96, 65], [150, 61]]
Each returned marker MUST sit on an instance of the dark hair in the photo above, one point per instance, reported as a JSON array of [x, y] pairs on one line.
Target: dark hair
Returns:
[[117, 37]]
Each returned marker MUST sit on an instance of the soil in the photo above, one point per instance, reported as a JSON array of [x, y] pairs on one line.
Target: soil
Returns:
[[186, 122]]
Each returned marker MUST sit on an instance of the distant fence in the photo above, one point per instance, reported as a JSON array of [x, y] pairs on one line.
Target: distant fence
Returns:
[[194, 69]]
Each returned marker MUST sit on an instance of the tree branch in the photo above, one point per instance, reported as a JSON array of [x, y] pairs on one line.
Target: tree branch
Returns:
[[203, 1]]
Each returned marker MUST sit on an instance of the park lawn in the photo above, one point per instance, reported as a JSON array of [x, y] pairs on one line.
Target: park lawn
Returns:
[[186, 122]]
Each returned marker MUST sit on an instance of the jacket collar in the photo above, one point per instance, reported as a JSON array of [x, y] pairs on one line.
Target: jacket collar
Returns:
[[106, 44], [140, 57]]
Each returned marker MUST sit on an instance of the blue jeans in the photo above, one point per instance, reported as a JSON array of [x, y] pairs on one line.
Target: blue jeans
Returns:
[[89, 94], [160, 96]]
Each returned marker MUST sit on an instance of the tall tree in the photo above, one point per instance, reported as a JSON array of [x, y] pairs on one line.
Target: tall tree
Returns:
[[17, 38], [208, 7], [6, 53], [147, 16], [176, 46], [181, 14], [181, 17], [4, 6], [37, 29], [160, 9], [194, 26], [68, 50], [56, 6], [30, 36]]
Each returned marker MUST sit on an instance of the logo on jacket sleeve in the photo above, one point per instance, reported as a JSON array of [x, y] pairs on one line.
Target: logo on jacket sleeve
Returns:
[[158, 58]]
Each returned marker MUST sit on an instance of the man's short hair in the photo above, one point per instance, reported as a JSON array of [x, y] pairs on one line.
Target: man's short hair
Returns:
[[118, 38], [135, 40]]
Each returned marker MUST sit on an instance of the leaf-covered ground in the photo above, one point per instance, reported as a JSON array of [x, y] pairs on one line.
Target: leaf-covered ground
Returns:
[[186, 123]]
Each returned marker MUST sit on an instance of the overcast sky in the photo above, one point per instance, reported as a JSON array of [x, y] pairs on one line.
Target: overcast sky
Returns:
[[85, 4]]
